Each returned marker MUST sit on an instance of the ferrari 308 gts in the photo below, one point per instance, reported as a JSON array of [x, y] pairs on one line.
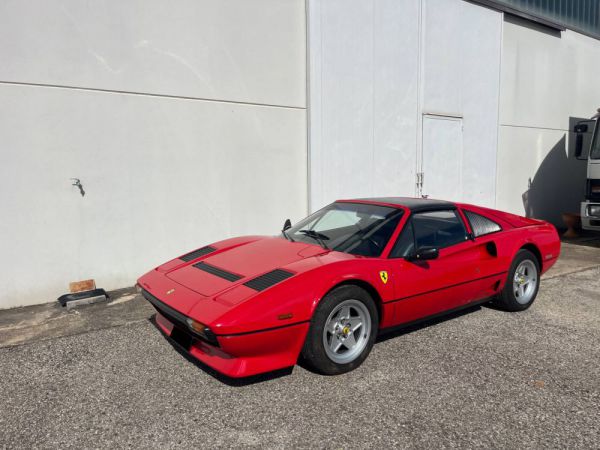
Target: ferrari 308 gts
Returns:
[[324, 288]]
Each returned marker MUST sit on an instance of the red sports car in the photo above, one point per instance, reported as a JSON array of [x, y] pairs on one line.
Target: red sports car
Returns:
[[327, 286]]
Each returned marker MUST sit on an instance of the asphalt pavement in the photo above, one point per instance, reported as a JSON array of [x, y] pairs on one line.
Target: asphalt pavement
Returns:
[[485, 378]]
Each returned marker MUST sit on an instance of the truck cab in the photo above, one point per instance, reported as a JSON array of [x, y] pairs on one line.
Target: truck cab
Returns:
[[590, 207]]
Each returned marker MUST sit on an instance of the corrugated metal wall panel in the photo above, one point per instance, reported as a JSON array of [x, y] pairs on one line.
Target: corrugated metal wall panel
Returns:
[[583, 15]]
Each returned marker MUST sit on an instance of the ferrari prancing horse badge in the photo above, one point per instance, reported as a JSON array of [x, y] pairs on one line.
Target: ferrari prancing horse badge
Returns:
[[384, 276]]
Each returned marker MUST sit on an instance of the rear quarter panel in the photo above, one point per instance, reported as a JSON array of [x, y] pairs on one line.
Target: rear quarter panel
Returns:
[[517, 232], [542, 237]]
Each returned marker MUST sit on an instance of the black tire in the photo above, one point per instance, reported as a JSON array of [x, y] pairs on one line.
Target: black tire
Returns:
[[507, 299], [314, 353]]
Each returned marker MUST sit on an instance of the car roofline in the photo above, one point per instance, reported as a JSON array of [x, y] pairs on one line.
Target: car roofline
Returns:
[[405, 203]]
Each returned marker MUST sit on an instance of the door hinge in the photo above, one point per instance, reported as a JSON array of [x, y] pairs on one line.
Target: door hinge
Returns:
[[420, 176]]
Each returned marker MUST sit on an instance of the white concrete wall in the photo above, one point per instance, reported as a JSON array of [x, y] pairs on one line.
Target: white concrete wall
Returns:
[[461, 77], [363, 97], [547, 78], [185, 122], [236, 50], [378, 67]]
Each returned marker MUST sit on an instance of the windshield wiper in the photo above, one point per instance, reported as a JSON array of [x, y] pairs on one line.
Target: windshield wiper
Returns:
[[287, 236], [319, 237]]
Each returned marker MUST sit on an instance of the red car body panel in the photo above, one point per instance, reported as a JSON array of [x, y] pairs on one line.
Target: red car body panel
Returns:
[[261, 331]]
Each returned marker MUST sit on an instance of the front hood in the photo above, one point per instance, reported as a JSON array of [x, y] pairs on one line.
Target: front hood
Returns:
[[228, 268]]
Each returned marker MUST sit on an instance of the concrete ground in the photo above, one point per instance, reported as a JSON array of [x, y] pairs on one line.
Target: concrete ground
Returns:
[[104, 376]]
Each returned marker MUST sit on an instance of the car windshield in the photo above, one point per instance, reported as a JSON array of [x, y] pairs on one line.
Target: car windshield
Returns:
[[356, 228]]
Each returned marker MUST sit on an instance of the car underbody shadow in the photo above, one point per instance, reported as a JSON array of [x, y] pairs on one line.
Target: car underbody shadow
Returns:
[[384, 335], [400, 330], [493, 306], [236, 382]]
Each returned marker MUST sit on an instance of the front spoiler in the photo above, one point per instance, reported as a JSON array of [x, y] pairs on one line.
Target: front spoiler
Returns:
[[177, 318], [236, 356]]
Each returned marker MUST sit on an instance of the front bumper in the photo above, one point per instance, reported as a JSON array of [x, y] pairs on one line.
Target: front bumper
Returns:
[[178, 319], [239, 355]]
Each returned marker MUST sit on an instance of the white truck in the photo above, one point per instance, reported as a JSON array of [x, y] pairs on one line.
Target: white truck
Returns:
[[586, 148]]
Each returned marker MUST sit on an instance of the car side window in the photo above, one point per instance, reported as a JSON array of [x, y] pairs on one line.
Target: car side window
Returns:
[[405, 244], [438, 229], [481, 225]]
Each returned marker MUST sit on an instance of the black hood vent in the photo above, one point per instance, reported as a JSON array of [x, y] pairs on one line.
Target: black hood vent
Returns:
[[218, 272], [198, 253], [268, 279]]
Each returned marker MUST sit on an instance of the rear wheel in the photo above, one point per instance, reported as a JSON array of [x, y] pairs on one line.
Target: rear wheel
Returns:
[[522, 284], [342, 331]]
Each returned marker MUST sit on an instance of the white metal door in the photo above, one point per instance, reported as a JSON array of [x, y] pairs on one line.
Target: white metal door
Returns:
[[442, 154]]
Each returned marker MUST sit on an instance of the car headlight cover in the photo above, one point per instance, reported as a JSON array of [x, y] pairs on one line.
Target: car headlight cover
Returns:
[[202, 331], [197, 327]]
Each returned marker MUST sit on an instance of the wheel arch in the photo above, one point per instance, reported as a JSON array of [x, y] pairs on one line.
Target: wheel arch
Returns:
[[364, 285], [536, 251]]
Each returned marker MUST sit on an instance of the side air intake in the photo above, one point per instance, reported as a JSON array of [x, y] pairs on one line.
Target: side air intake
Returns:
[[217, 271], [268, 279], [198, 253]]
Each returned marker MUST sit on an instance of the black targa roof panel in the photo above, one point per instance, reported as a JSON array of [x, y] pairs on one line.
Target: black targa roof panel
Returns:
[[414, 204]]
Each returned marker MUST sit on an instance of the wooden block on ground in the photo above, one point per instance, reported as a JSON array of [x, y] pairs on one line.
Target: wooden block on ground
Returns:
[[81, 286]]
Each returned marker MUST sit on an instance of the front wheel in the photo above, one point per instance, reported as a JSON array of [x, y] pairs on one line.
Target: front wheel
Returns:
[[522, 284], [342, 331]]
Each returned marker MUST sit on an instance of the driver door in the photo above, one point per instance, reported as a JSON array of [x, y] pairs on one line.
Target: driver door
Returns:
[[426, 288]]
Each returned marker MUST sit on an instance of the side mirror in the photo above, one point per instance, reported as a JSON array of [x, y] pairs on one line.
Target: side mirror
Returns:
[[578, 145], [425, 254], [580, 129], [287, 224]]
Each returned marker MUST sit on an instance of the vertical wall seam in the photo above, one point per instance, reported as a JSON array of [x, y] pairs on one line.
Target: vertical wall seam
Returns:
[[498, 117], [420, 72], [373, 121], [321, 100], [308, 107]]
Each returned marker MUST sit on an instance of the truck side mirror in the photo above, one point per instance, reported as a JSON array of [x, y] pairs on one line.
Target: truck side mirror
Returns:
[[578, 145], [580, 128]]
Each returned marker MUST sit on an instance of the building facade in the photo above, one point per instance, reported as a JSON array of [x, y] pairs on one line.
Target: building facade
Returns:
[[192, 122]]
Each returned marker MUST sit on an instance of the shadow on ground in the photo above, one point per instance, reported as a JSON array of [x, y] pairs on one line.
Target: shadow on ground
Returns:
[[411, 328], [384, 335], [585, 239]]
